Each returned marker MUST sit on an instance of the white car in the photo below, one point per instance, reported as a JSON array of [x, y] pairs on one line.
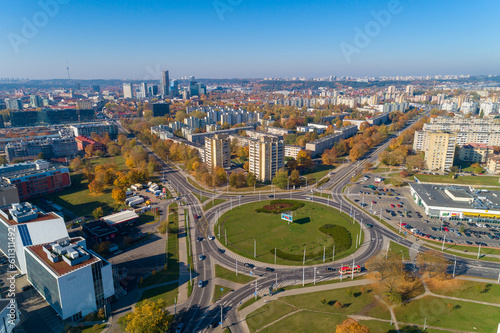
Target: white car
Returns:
[[211, 237]]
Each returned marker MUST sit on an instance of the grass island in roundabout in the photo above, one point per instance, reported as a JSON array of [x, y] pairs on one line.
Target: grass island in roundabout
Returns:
[[315, 228]]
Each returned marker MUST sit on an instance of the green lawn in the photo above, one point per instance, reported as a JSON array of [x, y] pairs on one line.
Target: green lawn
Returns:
[[396, 249], [472, 255], [479, 291], [171, 273], [213, 203], [93, 329], [226, 274], [318, 172], [468, 180], [80, 201], [298, 286], [463, 316], [316, 316], [168, 293], [118, 160], [219, 292], [243, 225]]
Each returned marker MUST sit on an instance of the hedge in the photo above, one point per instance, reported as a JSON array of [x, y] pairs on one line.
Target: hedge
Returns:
[[340, 235], [295, 205]]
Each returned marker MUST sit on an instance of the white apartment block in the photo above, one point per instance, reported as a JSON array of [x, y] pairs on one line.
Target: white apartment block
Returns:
[[218, 151], [266, 157], [293, 150]]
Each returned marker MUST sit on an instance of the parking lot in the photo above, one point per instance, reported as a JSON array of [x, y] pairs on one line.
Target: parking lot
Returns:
[[36, 314], [395, 206]]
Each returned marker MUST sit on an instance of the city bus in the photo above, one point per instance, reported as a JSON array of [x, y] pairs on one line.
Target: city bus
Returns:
[[347, 269]]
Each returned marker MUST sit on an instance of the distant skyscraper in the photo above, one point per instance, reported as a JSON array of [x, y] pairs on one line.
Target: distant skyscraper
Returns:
[[174, 88], [144, 90], [409, 89], [128, 90], [194, 89], [391, 90], [164, 83], [13, 104], [35, 101], [153, 90]]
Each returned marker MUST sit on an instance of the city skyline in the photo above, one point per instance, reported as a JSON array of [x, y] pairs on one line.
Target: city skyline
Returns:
[[221, 39]]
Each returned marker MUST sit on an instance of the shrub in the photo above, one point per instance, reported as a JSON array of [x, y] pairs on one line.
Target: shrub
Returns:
[[340, 235], [278, 206]]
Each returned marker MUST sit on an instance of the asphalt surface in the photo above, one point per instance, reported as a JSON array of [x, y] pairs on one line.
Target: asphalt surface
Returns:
[[198, 312]]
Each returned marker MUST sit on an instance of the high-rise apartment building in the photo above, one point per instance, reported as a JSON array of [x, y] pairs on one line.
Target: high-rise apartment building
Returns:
[[36, 101], [440, 150], [13, 104], [128, 90], [174, 88], [144, 90], [218, 151], [266, 157], [165, 82]]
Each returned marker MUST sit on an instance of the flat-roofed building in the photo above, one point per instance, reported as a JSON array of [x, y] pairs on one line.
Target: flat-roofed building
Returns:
[[266, 157], [475, 152], [74, 280], [29, 225], [101, 128], [218, 151], [293, 150]]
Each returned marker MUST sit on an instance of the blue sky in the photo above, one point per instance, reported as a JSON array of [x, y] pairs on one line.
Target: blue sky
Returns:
[[132, 39]]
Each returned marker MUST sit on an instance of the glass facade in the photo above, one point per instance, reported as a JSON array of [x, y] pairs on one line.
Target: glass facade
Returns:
[[98, 286], [44, 282]]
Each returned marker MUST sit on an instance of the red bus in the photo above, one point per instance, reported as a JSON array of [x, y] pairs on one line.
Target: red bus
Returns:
[[347, 269]]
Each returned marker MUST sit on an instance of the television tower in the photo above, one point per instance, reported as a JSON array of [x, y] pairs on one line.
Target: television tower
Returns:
[[67, 69]]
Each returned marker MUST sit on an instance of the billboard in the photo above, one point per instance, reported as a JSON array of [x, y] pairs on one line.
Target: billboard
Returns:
[[287, 216]]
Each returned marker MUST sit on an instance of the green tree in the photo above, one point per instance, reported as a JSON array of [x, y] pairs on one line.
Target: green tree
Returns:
[[281, 179], [98, 213], [295, 177], [148, 317]]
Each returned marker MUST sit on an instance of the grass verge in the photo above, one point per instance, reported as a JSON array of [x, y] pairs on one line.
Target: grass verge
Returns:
[[229, 275], [219, 292], [213, 203]]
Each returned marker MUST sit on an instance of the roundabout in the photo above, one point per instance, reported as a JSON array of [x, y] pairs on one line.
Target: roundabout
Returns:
[[258, 232]]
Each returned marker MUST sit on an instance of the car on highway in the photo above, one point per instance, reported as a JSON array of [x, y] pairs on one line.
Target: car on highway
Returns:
[[329, 269], [211, 237], [249, 265], [201, 284], [270, 196], [221, 251], [269, 269], [201, 257], [199, 239]]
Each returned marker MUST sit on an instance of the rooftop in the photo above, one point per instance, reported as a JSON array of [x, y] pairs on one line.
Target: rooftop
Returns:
[[25, 213], [462, 197], [126, 215], [65, 255]]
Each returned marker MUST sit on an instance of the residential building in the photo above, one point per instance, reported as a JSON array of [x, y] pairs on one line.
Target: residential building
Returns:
[[469, 108], [36, 178], [293, 150], [440, 150], [30, 226], [128, 90], [73, 280], [101, 128], [200, 137], [317, 147], [266, 157], [82, 142], [164, 132], [50, 148], [218, 151], [84, 104], [475, 152], [278, 130], [36, 101], [493, 164]]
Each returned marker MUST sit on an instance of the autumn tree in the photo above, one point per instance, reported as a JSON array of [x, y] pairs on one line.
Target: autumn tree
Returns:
[[232, 179], [367, 167], [351, 326], [329, 156], [96, 186], [434, 263], [295, 177], [113, 148], [118, 194], [89, 150], [98, 213], [76, 164], [251, 179], [148, 317], [304, 159]]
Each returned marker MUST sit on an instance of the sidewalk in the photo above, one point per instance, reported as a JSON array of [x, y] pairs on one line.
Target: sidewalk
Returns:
[[183, 258], [251, 308]]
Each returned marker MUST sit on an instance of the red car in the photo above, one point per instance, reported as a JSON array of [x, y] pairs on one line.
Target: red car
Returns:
[[374, 202], [392, 205], [399, 206], [446, 229]]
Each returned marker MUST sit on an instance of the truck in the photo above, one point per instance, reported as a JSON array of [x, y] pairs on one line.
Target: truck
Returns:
[[129, 199], [157, 192], [136, 202], [128, 193], [154, 187]]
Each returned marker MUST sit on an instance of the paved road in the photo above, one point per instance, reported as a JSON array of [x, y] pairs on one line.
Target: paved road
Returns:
[[198, 312]]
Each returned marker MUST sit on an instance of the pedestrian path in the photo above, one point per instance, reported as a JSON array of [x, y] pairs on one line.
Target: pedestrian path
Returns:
[[183, 258]]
